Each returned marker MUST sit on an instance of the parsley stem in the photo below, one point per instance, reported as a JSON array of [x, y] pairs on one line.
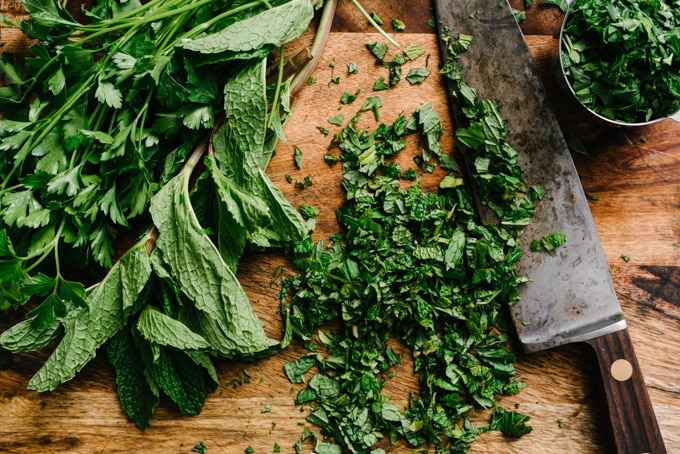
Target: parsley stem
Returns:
[[134, 20], [46, 251], [59, 113], [170, 32]]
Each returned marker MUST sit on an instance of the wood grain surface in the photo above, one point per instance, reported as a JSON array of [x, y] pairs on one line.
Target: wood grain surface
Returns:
[[632, 176]]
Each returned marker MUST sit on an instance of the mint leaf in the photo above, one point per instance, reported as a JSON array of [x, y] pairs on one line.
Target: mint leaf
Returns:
[[137, 396], [417, 75], [177, 375], [224, 312], [380, 84], [161, 329], [272, 27], [379, 50], [413, 51], [25, 336], [109, 304], [286, 222], [295, 370], [245, 106]]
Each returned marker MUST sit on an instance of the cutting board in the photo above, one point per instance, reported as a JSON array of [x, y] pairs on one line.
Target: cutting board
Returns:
[[632, 176]]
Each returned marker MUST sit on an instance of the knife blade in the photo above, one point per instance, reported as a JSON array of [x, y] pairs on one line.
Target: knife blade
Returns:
[[571, 296]]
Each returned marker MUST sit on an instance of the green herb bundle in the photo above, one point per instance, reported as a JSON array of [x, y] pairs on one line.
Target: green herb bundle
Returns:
[[414, 271], [151, 121], [622, 57]]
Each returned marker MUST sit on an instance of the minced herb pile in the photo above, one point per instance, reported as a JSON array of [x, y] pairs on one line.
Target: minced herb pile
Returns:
[[622, 57], [412, 271], [152, 118]]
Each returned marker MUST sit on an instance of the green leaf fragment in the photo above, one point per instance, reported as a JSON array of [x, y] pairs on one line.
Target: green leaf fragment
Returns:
[[380, 84], [417, 75], [295, 370], [510, 423], [297, 156]]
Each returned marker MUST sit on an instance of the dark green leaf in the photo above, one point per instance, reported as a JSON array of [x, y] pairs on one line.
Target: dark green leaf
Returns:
[[510, 423], [138, 397]]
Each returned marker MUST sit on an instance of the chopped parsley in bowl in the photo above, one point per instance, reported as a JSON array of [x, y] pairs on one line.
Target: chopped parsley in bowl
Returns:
[[621, 58]]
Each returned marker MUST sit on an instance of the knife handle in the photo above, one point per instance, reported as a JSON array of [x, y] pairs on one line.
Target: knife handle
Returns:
[[631, 414]]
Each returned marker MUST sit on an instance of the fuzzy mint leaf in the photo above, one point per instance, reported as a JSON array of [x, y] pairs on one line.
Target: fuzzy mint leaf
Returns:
[[286, 223], [137, 396], [417, 75], [413, 51], [227, 318], [295, 370], [240, 210], [160, 329], [26, 337], [297, 156], [272, 27], [109, 302], [178, 376], [245, 105], [379, 50]]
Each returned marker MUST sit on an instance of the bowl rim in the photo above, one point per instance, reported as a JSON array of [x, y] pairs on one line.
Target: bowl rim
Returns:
[[674, 116]]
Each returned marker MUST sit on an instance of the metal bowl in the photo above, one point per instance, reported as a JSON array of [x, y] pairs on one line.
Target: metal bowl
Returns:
[[566, 87]]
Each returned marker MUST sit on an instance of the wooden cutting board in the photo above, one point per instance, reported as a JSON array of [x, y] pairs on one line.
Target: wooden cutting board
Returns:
[[634, 178]]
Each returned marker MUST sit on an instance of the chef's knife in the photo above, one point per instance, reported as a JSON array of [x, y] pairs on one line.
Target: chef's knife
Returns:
[[571, 297]]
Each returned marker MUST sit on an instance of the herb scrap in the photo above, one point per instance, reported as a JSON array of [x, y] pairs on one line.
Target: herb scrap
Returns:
[[549, 242]]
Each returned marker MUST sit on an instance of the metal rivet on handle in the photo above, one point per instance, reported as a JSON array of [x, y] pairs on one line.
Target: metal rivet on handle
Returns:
[[621, 370]]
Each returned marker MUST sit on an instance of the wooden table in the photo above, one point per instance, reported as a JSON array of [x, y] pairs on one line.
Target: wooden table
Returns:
[[634, 174]]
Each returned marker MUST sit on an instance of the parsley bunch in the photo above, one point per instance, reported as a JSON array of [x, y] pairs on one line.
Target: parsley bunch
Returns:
[[622, 57]]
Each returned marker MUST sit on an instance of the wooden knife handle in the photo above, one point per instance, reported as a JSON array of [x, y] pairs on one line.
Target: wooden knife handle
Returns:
[[631, 414]]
